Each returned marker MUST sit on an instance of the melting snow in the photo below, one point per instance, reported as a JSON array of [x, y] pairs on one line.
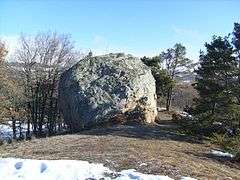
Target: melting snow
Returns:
[[26, 169], [5, 131], [161, 109], [187, 178], [143, 164], [221, 154]]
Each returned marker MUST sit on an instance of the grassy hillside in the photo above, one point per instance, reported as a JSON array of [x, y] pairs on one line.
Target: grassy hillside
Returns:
[[149, 149]]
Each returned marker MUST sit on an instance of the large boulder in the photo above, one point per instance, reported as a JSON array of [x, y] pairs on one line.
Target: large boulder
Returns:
[[99, 88]]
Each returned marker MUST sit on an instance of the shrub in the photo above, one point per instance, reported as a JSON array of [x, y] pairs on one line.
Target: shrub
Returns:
[[220, 139], [231, 144], [237, 157]]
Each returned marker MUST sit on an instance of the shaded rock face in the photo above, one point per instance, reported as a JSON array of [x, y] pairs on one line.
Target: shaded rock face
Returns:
[[99, 88]]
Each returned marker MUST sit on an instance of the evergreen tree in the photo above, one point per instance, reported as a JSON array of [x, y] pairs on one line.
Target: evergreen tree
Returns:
[[163, 80], [236, 39], [236, 43], [215, 80]]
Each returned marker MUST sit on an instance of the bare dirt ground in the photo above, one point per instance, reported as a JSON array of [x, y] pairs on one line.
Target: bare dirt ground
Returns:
[[157, 149]]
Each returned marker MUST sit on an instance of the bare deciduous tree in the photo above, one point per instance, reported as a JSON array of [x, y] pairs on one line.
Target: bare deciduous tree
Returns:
[[44, 57], [175, 62]]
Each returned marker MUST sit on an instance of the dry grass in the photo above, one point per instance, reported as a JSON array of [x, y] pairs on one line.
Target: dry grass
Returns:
[[124, 147]]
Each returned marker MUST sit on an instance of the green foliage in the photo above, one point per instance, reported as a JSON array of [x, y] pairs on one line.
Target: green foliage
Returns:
[[166, 68], [236, 43], [163, 81], [236, 37], [231, 144], [154, 62], [217, 109], [214, 81], [162, 78], [175, 62], [221, 140]]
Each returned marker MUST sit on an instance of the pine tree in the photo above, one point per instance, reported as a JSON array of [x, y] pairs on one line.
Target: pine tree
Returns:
[[215, 80], [236, 39], [236, 43], [162, 78]]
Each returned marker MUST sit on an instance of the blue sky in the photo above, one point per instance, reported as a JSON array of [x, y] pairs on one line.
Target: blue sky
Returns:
[[139, 27]]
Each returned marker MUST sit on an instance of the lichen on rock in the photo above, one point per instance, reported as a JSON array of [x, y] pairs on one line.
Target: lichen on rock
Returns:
[[98, 88]]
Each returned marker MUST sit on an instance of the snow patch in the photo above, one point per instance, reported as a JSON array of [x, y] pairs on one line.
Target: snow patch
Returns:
[[159, 109], [12, 169], [143, 164], [26, 169], [221, 154], [133, 174], [185, 114], [5, 131], [187, 178]]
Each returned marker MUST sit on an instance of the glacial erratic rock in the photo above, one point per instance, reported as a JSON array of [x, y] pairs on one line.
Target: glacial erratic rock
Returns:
[[100, 88]]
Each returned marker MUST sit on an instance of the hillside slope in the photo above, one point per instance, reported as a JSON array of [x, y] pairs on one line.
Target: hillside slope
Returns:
[[155, 150]]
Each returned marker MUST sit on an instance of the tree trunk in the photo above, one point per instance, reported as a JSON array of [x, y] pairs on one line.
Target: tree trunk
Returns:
[[21, 137], [169, 99], [14, 128], [213, 108]]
